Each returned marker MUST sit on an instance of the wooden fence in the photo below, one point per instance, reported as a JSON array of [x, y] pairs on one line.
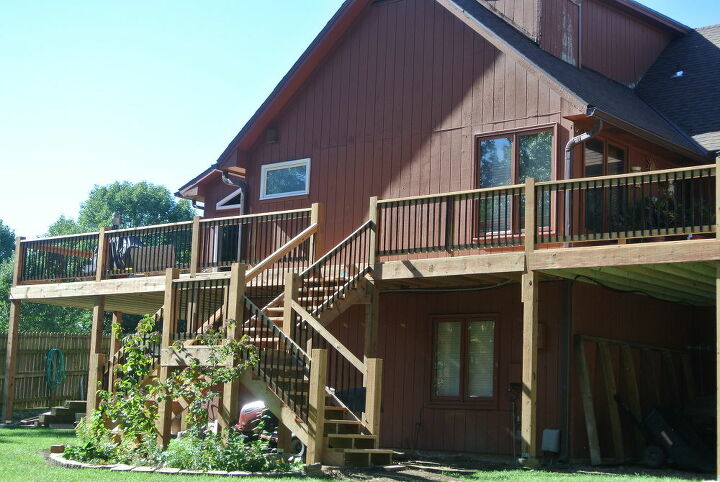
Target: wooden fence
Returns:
[[31, 388]]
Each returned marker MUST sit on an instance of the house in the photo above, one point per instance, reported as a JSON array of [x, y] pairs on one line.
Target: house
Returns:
[[459, 225]]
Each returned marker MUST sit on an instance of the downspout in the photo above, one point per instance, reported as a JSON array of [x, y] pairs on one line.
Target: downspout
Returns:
[[243, 185], [569, 158]]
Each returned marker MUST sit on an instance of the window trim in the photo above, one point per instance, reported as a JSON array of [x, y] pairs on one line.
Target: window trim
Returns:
[[463, 401], [265, 168], [221, 206], [514, 170]]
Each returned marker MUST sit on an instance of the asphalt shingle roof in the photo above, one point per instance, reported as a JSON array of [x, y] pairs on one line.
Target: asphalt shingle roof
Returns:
[[692, 100], [588, 86]]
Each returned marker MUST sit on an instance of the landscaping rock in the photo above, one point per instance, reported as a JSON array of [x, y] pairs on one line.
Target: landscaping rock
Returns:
[[167, 470], [57, 449], [191, 472], [144, 469], [239, 474], [122, 468]]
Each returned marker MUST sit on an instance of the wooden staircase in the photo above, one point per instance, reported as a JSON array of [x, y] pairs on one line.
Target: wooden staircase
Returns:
[[295, 377]]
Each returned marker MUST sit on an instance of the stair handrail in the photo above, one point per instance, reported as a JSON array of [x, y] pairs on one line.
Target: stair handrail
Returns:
[[266, 263], [338, 247], [269, 360]]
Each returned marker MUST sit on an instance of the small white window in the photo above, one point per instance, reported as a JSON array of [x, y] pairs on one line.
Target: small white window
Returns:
[[281, 179], [231, 201]]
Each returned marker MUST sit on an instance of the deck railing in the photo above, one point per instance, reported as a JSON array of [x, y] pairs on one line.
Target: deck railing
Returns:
[[644, 206], [475, 219], [638, 205], [192, 246]]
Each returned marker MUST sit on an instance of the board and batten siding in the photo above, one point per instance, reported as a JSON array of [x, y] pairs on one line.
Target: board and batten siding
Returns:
[[393, 111]]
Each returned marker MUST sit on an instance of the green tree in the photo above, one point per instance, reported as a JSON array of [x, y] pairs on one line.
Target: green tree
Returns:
[[7, 242], [139, 203]]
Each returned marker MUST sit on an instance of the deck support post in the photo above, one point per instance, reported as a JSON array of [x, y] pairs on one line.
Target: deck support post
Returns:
[[316, 406], [230, 399], [373, 395], [317, 216], [164, 421], [195, 246], [529, 367], [717, 367], [12, 337], [11, 360], [101, 255], [373, 241], [96, 355], [371, 321]]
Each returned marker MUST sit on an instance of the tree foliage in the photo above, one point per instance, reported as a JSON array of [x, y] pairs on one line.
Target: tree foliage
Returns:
[[140, 204]]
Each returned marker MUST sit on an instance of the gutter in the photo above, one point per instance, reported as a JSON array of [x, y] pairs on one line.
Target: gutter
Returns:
[[596, 113], [241, 183]]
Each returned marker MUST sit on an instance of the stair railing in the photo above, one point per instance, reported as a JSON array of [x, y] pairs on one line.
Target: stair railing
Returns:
[[322, 284]]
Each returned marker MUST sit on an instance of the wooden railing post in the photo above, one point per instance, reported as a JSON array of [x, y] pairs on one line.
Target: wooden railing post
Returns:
[[530, 218], [195, 246], [94, 365], [316, 406], [230, 399], [292, 289], [317, 216], [717, 218], [373, 241], [101, 255], [373, 394], [19, 261], [164, 422], [450, 224]]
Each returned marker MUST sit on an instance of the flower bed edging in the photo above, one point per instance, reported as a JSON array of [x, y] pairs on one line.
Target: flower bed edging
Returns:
[[59, 460]]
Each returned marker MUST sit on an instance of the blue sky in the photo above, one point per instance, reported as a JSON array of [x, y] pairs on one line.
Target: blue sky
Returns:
[[96, 91]]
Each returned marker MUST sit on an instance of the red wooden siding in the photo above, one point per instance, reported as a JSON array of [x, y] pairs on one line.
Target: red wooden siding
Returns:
[[522, 14], [560, 29], [632, 318], [393, 111], [620, 45]]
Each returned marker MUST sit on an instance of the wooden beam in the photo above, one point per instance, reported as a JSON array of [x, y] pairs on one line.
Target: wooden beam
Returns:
[[372, 321], [678, 275], [280, 252], [583, 375], [695, 250], [230, 400], [610, 392], [513, 262], [195, 246], [373, 239], [639, 280], [373, 395], [316, 406], [102, 255], [529, 368], [530, 218], [126, 286], [329, 337], [317, 217], [627, 364], [292, 290], [165, 413], [11, 360], [98, 317]]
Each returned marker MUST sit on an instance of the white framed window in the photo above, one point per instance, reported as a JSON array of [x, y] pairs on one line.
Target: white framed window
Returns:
[[282, 179], [231, 201]]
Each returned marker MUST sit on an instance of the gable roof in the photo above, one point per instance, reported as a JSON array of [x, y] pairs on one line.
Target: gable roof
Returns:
[[692, 100], [615, 102], [587, 88]]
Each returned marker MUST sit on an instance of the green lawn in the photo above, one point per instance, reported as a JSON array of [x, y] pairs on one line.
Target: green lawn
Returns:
[[22, 458]]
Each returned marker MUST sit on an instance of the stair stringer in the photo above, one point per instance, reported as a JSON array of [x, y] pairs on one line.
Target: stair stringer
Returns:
[[354, 296]]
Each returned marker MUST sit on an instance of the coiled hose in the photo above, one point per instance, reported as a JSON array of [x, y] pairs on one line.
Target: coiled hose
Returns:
[[54, 368]]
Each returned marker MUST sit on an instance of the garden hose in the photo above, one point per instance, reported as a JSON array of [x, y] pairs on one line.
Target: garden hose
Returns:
[[54, 368]]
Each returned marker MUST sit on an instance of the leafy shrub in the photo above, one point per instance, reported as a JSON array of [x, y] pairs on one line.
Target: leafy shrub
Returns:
[[227, 451]]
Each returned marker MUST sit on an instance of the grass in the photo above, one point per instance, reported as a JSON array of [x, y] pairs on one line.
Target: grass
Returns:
[[22, 458]]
